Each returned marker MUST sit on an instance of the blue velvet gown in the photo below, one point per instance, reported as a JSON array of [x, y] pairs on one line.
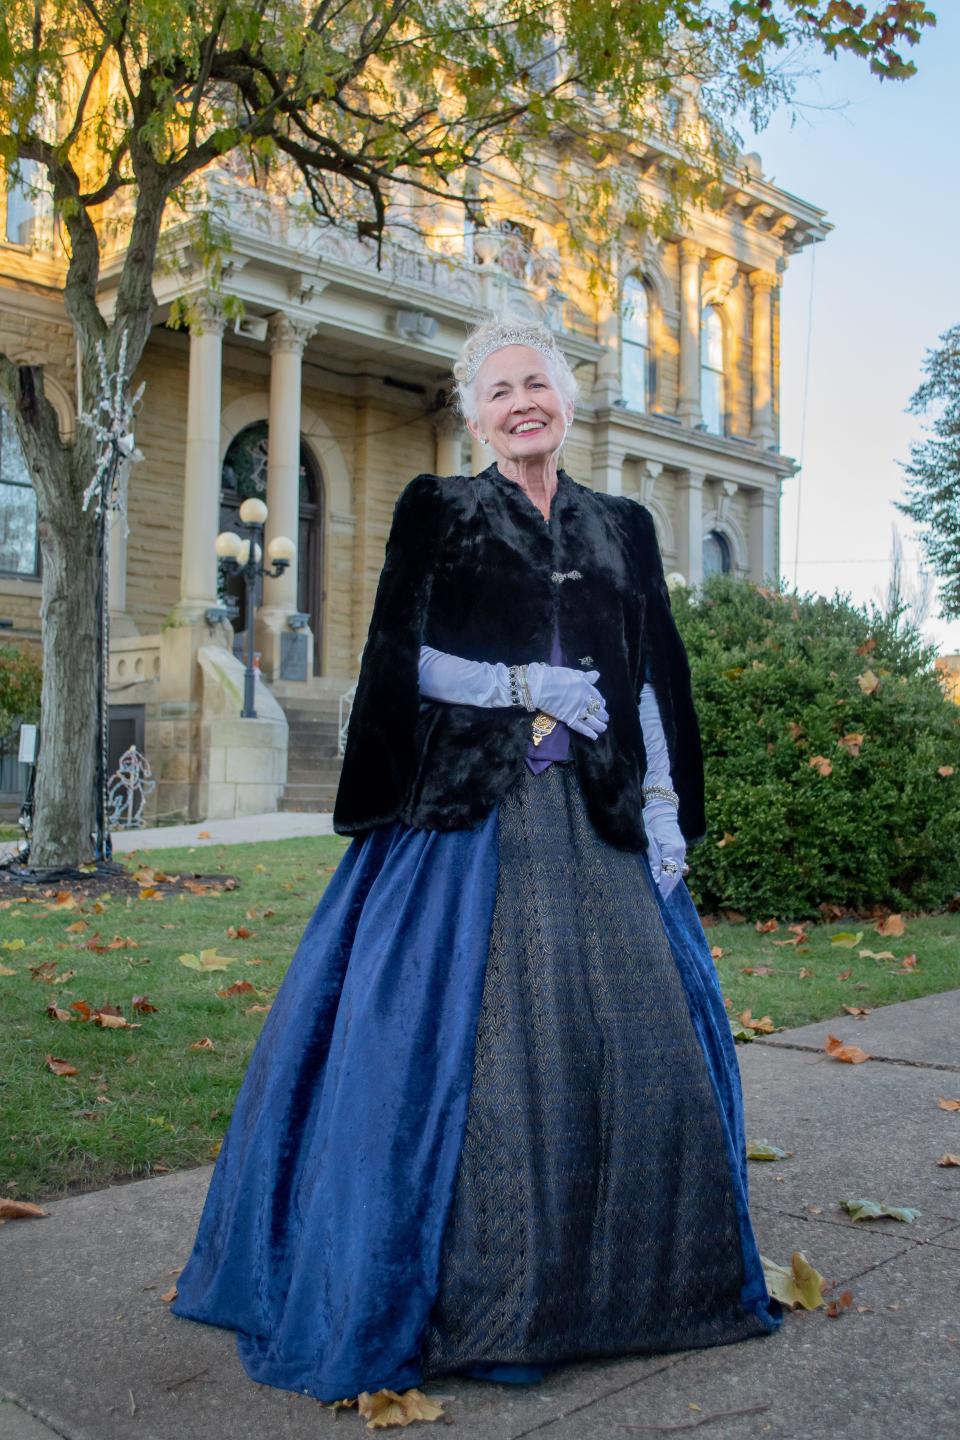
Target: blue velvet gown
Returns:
[[493, 1121]]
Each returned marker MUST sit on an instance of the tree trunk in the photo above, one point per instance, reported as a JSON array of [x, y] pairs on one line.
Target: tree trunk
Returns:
[[64, 798]]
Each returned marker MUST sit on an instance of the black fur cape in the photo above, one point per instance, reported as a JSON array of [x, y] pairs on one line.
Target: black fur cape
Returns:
[[473, 568]]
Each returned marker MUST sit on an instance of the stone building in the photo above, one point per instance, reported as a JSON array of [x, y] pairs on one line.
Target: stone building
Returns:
[[328, 394]]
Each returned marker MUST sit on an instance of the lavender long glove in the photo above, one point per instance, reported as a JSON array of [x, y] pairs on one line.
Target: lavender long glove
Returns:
[[659, 815], [561, 692]]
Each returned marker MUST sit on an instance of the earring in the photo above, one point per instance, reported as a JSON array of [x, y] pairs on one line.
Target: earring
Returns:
[[483, 439]]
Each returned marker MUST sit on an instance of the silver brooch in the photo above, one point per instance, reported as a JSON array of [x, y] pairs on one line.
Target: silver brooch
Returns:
[[559, 576], [585, 660]]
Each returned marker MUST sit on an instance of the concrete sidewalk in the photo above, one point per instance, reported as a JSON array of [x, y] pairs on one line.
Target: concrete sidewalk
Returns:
[[206, 833], [88, 1350]]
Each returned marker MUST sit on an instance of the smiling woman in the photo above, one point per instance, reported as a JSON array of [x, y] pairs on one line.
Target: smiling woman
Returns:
[[494, 1120], [517, 394]]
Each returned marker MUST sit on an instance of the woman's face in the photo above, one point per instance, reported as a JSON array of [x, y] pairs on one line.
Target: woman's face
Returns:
[[521, 413]]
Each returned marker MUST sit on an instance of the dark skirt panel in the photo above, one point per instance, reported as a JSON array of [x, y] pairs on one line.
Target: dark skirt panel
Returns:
[[594, 1212]]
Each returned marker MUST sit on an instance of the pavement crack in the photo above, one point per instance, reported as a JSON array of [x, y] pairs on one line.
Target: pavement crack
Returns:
[[596, 1399], [875, 1059]]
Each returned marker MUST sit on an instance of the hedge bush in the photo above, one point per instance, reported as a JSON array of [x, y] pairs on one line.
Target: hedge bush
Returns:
[[832, 756], [20, 677]]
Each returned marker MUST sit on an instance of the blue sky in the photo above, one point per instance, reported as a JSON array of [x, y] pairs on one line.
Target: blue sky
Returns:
[[885, 285]]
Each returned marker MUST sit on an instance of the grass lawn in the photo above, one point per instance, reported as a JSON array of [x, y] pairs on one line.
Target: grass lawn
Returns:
[[145, 1100]]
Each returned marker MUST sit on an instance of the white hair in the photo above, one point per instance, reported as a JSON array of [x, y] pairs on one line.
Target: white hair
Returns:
[[496, 334]]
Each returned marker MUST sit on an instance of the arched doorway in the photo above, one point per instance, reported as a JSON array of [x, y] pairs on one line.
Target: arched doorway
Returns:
[[244, 474]]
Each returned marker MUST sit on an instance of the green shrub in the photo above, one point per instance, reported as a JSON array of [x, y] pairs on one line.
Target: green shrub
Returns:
[[800, 812], [20, 677]]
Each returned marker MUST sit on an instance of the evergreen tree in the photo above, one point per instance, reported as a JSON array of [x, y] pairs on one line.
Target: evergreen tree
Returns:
[[933, 489]]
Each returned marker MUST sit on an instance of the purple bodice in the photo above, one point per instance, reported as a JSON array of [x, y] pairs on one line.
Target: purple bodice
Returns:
[[556, 745]]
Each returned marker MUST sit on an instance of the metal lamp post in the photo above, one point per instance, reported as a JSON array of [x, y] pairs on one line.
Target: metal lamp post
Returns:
[[241, 556]]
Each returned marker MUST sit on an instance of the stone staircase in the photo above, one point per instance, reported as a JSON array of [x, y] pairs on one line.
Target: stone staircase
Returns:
[[313, 765]]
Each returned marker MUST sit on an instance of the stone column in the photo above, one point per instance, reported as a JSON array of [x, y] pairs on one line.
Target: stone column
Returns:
[[607, 468], [178, 732], [448, 432], [121, 624], [608, 385], [201, 476], [688, 406], [689, 524], [764, 512], [288, 340], [763, 283]]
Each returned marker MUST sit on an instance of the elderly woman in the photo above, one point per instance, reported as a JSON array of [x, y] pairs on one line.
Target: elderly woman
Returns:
[[493, 1121]]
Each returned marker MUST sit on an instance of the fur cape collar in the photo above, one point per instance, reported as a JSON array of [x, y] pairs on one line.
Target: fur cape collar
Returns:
[[473, 568]]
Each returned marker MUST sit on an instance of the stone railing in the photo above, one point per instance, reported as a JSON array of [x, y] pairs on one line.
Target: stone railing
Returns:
[[134, 660]]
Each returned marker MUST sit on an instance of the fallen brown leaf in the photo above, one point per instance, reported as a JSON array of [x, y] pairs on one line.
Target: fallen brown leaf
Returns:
[[945, 770], [239, 932], [142, 1005], [868, 682], [821, 764], [949, 1159], [108, 1021], [842, 1302], [857, 1011], [851, 1054], [805, 973], [733, 917], [239, 987], [76, 927], [256, 1009], [892, 925], [205, 1044], [82, 1009], [908, 964], [946, 1104], [19, 1210], [765, 927], [756, 970], [55, 1012], [715, 950], [799, 933], [169, 1295], [386, 1408], [763, 1026], [60, 1067]]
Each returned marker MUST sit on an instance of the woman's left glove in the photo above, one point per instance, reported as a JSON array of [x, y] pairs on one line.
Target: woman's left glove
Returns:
[[667, 848]]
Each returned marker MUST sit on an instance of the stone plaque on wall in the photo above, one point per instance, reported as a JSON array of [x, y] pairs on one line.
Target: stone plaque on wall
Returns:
[[293, 656]]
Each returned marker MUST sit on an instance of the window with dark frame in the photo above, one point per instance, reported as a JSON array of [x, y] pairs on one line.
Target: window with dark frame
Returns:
[[19, 548], [712, 382], [635, 344]]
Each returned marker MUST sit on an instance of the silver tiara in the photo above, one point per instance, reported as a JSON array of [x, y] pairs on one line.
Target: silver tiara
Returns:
[[500, 340]]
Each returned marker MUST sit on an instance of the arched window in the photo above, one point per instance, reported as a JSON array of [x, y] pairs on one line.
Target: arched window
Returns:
[[244, 475], [18, 506], [635, 344], [716, 554], [712, 397]]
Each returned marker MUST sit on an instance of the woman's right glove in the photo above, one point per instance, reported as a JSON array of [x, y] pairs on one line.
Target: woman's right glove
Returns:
[[570, 696], [563, 693]]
